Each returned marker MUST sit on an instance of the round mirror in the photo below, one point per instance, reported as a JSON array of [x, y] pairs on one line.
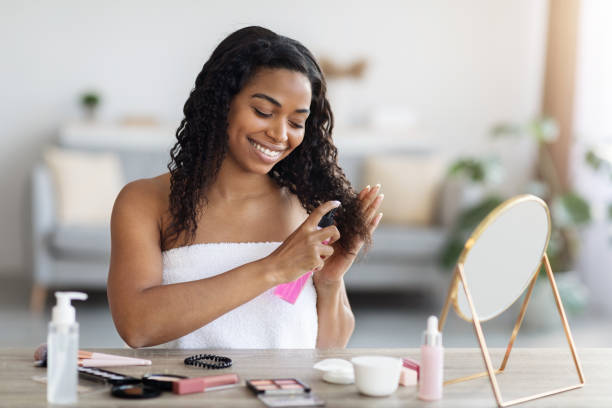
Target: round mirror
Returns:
[[502, 255]]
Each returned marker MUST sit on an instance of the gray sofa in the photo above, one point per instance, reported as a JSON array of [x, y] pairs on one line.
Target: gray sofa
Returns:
[[78, 257]]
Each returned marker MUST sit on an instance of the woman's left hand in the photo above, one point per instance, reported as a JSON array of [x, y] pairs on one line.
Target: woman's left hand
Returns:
[[341, 260]]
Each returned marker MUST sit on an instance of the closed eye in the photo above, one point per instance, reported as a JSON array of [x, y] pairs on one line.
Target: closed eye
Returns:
[[262, 114], [296, 125]]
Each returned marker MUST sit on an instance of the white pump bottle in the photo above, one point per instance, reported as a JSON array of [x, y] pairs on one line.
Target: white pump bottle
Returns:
[[62, 350]]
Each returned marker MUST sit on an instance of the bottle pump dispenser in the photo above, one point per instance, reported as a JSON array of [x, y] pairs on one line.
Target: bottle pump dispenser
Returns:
[[63, 348]]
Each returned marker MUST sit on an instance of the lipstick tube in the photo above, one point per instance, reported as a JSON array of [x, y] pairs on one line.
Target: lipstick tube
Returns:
[[203, 384]]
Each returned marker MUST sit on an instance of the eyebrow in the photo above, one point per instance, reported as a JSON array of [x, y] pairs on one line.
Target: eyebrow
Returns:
[[275, 102]]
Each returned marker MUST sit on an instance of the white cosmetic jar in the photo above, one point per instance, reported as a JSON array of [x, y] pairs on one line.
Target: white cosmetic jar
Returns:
[[377, 376]]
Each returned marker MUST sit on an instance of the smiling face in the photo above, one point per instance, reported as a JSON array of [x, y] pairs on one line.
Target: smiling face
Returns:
[[267, 118]]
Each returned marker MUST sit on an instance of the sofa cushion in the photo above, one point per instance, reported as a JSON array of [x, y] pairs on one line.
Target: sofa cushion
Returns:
[[411, 184], [80, 242], [87, 184]]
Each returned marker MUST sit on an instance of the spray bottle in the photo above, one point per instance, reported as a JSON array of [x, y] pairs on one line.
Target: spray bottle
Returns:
[[63, 349], [432, 362]]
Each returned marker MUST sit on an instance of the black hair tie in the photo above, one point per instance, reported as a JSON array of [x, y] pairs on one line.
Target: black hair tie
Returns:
[[210, 361]]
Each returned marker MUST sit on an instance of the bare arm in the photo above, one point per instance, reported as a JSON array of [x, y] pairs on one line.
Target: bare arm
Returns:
[[336, 319], [147, 313]]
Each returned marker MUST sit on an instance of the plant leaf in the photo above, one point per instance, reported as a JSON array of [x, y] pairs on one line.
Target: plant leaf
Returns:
[[571, 210], [465, 223], [592, 160], [470, 218], [450, 252], [506, 129], [544, 129], [474, 169]]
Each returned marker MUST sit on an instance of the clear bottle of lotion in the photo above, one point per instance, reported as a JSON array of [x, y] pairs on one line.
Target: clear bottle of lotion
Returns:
[[62, 350], [432, 362]]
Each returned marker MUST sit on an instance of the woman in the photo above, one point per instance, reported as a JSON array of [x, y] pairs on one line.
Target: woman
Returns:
[[197, 252]]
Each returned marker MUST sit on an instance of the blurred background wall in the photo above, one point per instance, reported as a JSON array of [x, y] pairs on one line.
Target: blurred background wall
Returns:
[[457, 68]]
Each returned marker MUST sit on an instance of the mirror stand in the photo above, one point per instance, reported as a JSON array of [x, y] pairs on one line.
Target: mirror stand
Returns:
[[459, 276]]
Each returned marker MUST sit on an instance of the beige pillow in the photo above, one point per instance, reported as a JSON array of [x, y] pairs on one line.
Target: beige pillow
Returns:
[[86, 185], [410, 183]]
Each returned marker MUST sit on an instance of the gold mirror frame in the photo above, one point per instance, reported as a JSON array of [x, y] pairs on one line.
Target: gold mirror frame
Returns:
[[482, 227], [459, 277]]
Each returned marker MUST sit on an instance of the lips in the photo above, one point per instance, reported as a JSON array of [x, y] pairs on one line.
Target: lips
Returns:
[[267, 152]]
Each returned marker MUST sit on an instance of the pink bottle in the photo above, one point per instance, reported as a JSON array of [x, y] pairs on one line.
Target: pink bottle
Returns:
[[291, 290], [432, 362]]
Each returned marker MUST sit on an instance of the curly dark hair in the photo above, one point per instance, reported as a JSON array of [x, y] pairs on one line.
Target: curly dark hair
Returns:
[[311, 171]]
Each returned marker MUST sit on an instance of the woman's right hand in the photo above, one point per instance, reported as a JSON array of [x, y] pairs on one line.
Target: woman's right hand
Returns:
[[304, 250]]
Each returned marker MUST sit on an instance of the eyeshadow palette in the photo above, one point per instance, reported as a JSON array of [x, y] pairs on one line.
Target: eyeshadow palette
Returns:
[[284, 392], [278, 386], [110, 377]]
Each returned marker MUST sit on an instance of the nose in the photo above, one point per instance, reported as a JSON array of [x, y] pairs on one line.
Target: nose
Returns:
[[277, 132]]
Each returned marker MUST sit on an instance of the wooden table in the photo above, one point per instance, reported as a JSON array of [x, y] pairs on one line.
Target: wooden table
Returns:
[[530, 371]]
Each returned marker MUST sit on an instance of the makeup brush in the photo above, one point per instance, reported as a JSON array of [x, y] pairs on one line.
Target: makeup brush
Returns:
[[91, 359], [40, 355]]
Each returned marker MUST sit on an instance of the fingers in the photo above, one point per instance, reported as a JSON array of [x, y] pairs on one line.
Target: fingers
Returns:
[[326, 251], [369, 196], [370, 212], [363, 192], [315, 217], [330, 234], [370, 202], [374, 223]]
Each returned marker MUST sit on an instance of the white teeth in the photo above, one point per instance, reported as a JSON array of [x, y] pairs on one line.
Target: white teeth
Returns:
[[267, 152]]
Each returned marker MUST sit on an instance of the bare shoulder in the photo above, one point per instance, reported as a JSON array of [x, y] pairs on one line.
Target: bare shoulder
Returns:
[[296, 211], [141, 204], [147, 195]]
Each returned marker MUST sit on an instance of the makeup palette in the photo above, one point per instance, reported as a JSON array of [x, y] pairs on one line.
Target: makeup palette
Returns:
[[284, 392], [278, 386], [105, 376]]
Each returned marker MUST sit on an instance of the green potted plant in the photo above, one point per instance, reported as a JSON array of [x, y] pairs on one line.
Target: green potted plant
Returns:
[[470, 180], [90, 101]]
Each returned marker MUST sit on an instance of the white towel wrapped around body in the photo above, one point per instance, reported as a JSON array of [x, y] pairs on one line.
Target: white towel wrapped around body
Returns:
[[266, 321]]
